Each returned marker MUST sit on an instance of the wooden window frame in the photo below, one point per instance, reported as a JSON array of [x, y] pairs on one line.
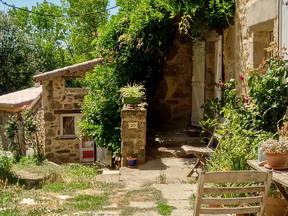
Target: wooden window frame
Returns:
[[77, 118]]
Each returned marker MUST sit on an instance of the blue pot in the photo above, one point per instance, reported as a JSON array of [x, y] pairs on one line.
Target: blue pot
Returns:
[[132, 162]]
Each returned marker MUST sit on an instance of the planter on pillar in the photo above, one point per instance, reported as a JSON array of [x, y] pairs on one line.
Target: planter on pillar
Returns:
[[133, 134]]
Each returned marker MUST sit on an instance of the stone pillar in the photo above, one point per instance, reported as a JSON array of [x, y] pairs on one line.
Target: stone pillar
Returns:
[[133, 134]]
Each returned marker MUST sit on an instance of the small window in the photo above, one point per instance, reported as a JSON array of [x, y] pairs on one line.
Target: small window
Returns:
[[72, 82], [69, 125]]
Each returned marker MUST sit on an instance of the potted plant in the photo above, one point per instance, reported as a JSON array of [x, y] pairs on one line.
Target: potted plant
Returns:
[[276, 152], [132, 95], [132, 161]]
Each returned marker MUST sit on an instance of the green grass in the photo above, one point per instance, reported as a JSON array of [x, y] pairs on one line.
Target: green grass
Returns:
[[9, 213], [78, 170], [5, 198], [59, 187], [164, 209], [88, 202]]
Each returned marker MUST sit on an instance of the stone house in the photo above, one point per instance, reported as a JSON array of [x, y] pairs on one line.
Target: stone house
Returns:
[[56, 105], [61, 111], [194, 69], [13, 103]]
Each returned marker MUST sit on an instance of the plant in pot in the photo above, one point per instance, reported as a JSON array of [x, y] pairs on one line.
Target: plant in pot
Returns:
[[132, 95], [132, 161], [276, 152]]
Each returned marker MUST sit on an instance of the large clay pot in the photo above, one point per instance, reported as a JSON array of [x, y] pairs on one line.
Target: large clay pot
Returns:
[[277, 160]]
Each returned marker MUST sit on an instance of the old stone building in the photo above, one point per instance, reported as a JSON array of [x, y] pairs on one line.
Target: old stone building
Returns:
[[13, 103], [55, 102], [61, 111]]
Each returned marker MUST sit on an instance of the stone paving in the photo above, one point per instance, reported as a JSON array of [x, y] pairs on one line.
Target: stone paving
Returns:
[[175, 186]]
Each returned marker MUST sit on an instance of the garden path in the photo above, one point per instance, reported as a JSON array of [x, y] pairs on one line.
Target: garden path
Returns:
[[167, 175]]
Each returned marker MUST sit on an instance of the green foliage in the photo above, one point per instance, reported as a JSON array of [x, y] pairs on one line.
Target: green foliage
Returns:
[[6, 162], [59, 187], [25, 122], [134, 44], [81, 171], [269, 92], [246, 124], [19, 61], [101, 113], [165, 209], [83, 29], [135, 90], [11, 127], [89, 202]]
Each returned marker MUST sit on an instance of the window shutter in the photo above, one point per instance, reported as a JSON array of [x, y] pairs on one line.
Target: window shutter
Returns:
[[283, 27], [218, 67]]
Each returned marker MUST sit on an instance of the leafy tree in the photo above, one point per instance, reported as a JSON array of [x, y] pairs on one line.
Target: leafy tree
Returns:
[[18, 57], [85, 16], [134, 44], [48, 33]]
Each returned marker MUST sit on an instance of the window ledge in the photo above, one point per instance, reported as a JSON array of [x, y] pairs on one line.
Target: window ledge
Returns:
[[66, 137]]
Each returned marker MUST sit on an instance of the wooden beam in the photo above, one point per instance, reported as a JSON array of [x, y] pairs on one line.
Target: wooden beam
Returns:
[[67, 111]]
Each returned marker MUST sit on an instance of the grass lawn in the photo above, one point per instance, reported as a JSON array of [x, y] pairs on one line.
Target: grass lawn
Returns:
[[73, 189]]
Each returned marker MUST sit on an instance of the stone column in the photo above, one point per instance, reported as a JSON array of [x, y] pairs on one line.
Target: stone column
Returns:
[[133, 134]]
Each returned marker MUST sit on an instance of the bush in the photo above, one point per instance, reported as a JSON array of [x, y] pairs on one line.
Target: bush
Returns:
[[6, 162], [249, 120]]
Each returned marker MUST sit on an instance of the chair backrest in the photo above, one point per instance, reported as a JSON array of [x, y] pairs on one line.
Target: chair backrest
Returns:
[[208, 193]]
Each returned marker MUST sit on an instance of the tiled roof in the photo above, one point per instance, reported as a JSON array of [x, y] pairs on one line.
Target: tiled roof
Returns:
[[20, 98]]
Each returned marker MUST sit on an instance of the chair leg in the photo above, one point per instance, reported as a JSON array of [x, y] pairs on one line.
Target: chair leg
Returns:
[[201, 161], [198, 163]]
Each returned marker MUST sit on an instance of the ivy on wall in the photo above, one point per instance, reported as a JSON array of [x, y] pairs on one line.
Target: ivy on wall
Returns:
[[133, 45]]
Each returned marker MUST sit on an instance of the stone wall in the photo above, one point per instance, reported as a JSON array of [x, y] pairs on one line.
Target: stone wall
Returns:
[[171, 105], [255, 25], [4, 141], [57, 99], [133, 134]]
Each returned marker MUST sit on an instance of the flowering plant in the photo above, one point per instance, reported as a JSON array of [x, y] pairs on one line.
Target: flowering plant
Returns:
[[275, 146]]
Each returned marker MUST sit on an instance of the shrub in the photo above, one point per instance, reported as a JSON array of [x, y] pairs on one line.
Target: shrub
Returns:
[[6, 162], [248, 122]]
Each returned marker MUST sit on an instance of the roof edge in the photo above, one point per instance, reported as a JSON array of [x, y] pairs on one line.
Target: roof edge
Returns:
[[87, 65]]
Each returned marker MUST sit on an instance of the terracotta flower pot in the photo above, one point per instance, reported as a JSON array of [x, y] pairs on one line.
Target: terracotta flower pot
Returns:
[[277, 160]]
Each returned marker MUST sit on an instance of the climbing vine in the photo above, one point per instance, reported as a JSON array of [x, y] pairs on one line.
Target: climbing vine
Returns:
[[133, 45]]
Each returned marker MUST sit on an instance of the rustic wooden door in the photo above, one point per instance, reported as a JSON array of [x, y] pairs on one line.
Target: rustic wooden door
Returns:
[[198, 82]]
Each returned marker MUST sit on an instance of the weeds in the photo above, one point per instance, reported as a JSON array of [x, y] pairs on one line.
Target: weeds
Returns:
[[89, 202], [164, 209], [59, 187], [162, 179]]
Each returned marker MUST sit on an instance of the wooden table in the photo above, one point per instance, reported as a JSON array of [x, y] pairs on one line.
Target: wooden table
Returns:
[[280, 177]]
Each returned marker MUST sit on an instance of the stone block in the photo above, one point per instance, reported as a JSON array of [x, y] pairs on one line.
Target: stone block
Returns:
[[63, 151], [56, 105], [51, 133], [68, 106], [48, 116]]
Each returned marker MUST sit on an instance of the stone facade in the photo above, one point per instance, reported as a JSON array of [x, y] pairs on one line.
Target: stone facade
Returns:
[[133, 134], [255, 26], [57, 101], [171, 105]]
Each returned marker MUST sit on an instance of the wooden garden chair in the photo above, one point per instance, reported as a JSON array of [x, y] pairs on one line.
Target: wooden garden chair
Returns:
[[255, 203], [202, 154]]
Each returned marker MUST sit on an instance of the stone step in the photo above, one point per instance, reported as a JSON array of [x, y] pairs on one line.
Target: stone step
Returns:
[[168, 152], [175, 141]]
